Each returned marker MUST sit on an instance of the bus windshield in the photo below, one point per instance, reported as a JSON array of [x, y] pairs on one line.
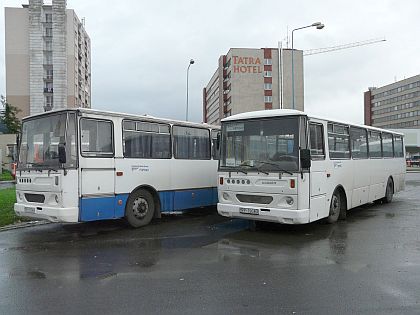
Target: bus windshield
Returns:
[[41, 137], [270, 144]]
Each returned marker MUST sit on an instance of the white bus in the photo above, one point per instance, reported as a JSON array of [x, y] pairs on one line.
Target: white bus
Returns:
[[84, 165], [285, 166]]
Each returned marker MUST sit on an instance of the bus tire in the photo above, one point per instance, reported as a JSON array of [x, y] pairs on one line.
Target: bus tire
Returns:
[[140, 208], [335, 207], [389, 193]]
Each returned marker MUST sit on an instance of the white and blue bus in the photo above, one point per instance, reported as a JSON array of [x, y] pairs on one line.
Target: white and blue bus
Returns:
[[80, 165], [288, 167]]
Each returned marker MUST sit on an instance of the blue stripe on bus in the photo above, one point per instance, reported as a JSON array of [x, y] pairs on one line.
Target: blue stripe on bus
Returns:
[[187, 199], [102, 208]]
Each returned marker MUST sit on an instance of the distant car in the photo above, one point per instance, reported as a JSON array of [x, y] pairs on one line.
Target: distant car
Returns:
[[413, 161]]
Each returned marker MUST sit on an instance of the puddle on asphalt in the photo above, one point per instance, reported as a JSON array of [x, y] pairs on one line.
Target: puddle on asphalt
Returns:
[[36, 274]]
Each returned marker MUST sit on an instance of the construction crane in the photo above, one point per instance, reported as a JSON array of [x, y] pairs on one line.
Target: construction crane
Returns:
[[345, 46]]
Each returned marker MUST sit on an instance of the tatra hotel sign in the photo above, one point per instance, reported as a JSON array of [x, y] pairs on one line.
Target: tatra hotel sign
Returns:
[[246, 65]]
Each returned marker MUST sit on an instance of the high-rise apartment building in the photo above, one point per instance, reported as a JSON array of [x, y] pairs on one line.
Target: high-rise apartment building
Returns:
[[47, 58], [250, 79], [394, 106]]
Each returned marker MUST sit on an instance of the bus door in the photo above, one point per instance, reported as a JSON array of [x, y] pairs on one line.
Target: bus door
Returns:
[[97, 170], [318, 173]]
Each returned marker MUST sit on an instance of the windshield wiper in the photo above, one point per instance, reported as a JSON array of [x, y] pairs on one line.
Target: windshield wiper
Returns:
[[246, 163], [276, 165]]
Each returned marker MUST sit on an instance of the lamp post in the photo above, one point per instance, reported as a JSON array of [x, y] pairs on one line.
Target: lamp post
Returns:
[[188, 71], [318, 26]]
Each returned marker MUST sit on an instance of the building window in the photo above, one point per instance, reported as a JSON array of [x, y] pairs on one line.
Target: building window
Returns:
[[48, 45], [267, 74], [48, 32], [267, 62], [48, 17], [268, 86], [268, 99], [48, 58]]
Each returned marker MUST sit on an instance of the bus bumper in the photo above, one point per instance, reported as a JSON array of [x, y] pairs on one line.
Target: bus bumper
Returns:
[[47, 213], [286, 216]]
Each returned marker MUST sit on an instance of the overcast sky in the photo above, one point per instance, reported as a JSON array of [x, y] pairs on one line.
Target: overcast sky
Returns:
[[141, 49]]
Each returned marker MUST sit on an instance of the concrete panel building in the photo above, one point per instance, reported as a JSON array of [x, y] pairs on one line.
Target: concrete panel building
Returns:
[[250, 79], [47, 58], [396, 106]]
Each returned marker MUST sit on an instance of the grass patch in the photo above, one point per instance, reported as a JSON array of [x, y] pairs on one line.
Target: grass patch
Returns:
[[6, 175], [7, 199]]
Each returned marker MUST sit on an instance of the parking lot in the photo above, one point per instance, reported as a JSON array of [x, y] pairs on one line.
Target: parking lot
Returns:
[[201, 263]]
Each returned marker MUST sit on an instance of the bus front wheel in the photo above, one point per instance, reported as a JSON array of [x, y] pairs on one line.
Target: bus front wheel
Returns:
[[140, 208]]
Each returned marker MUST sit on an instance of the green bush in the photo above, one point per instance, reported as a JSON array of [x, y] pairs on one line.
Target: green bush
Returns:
[[6, 175]]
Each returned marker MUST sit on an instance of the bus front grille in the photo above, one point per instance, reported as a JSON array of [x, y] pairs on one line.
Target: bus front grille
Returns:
[[265, 200], [35, 198]]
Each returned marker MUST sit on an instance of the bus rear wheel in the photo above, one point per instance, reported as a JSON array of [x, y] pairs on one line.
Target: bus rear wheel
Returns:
[[140, 208], [335, 207], [389, 191]]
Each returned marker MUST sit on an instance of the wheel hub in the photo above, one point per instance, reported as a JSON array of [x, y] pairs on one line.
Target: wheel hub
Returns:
[[140, 207]]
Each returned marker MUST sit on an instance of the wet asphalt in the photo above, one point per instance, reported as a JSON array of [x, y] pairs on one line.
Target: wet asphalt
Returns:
[[201, 263]]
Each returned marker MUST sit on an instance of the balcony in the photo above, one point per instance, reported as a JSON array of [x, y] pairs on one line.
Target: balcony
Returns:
[[48, 107]]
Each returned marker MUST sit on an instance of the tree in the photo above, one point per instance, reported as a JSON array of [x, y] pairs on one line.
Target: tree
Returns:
[[9, 118]]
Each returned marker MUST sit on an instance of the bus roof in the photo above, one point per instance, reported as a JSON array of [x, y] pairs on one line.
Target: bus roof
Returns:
[[264, 114], [292, 112], [124, 115]]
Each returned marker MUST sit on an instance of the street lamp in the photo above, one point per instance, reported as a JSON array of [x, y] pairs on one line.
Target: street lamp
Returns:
[[188, 71], [319, 26]]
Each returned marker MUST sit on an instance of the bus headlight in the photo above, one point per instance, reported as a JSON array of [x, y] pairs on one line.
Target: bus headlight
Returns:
[[19, 196], [289, 200], [56, 198], [225, 196]]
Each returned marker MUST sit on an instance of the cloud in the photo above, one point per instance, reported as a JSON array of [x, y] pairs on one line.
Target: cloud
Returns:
[[141, 49]]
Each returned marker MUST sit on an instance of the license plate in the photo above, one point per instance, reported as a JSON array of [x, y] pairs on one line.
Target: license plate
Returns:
[[30, 209], [249, 211]]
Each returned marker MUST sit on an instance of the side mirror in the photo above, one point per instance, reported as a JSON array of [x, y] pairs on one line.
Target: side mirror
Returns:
[[218, 141], [16, 152], [62, 153], [305, 158]]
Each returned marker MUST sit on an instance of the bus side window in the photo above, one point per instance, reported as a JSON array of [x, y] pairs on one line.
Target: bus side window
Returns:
[[191, 143], [375, 145], [387, 145], [316, 139], [338, 141], [96, 138], [359, 148], [398, 146], [215, 135]]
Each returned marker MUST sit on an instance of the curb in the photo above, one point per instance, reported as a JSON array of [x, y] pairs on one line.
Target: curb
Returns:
[[23, 225]]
